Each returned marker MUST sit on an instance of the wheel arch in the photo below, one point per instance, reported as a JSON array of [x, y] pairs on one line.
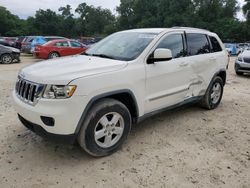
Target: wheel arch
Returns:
[[54, 52], [124, 96], [223, 74]]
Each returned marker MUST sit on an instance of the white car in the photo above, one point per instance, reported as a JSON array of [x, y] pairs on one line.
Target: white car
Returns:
[[95, 97], [242, 64]]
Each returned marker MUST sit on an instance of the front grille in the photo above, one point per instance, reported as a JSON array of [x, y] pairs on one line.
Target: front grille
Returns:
[[27, 91], [247, 60]]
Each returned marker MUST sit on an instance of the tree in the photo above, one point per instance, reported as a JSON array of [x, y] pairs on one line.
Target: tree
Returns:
[[10, 23], [67, 26], [94, 21], [47, 22], [246, 10]]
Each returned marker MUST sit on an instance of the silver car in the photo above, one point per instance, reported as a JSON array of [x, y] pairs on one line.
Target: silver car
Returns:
[[242, 64]]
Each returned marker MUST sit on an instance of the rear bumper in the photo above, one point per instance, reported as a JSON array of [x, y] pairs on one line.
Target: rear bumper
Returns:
[[41, 55], [70, 139]]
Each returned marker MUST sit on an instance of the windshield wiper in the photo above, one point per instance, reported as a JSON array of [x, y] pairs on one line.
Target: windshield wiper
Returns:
[[99, 55], [102, 55]]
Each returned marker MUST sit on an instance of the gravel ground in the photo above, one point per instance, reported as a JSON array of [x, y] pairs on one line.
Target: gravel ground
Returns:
[[188, 147]]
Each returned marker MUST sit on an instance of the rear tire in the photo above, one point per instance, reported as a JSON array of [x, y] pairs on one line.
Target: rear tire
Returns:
[[105, 128], [214, 93], [54, 55], [6, 59]]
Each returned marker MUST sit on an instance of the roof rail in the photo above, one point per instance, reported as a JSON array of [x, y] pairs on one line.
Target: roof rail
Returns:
[[177, 27]]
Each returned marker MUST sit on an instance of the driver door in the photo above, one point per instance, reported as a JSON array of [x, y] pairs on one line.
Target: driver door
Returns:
[[168, 82]]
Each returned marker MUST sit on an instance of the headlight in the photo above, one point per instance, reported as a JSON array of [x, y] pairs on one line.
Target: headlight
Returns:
[[240, 59], [16, 51], [58, 91]]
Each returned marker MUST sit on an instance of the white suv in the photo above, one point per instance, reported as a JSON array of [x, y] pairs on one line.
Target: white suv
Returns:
[[94, 98]]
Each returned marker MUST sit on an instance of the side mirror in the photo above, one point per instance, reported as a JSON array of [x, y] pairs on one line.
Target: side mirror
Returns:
[[160, 54]]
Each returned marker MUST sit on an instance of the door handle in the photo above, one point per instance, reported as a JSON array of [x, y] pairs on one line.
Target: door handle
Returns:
[[183, 64]]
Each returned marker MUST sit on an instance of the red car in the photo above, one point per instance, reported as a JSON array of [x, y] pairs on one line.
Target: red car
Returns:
[[58, 48]]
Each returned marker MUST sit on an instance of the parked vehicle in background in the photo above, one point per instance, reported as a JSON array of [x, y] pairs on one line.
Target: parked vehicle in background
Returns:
[[233, 49], [9, 55], [90, 41], [242, 64], [59, 48], [243, 46], [40, 40], [26, 44], [18, 42], [95, 97], [4, 42], [11, 40]]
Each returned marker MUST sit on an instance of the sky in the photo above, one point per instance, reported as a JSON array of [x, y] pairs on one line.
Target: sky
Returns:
[[25, 8]]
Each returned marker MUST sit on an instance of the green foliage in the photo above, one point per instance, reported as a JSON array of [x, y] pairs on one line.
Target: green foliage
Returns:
[[94, 21], [215, 15]]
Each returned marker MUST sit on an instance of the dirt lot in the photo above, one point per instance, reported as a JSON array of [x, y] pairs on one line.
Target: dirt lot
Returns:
[[188, 147]]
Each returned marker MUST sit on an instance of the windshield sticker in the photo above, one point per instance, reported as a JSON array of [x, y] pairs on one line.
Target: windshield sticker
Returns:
[[147, 36]]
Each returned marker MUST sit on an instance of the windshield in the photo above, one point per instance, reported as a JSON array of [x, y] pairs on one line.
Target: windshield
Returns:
[[125, 46]]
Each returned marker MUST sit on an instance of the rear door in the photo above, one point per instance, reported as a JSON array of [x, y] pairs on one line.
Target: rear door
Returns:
[[63, 48], [203, 62]]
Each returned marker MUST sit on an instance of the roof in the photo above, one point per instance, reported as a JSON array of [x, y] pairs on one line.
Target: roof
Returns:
[[62, 40], [159, 30]]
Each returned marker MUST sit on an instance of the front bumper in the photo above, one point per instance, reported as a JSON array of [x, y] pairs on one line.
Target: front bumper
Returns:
[[16, 56], [242, 66], [43, 133], [65, 112]]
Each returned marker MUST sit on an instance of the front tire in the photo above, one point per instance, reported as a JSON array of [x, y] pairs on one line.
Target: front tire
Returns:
[[6, 59], [239, 73], [213, 96], [105, 128]]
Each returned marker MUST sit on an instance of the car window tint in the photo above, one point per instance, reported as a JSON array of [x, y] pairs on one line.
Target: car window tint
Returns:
[[197, 44], [75, 44], [62, 44], [215, 44], [174, 42]]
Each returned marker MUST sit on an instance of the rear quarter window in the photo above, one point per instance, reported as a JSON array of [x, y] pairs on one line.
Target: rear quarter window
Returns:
[[216, 47], [197, 44]]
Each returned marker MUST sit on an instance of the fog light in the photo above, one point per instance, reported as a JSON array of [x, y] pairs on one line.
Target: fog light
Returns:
[[49, 121]]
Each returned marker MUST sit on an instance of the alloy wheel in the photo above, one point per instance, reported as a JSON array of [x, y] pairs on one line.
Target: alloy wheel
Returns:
[[109, 130]]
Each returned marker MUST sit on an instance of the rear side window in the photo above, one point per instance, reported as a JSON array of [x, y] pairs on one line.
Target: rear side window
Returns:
[[197, 44], [173, 42], [62, 44], [215, 44]]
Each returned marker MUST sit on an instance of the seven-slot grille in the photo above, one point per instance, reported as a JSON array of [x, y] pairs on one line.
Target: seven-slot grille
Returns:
[[247, 59], [28, 91]]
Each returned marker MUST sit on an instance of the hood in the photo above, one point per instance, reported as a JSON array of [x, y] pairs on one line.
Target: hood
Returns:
[[63, 70], [245, 53], [13, 49]]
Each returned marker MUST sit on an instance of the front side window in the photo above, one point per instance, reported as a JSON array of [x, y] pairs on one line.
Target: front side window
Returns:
[[75, 44], [173, 42], [215, 44], [197, 44]]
